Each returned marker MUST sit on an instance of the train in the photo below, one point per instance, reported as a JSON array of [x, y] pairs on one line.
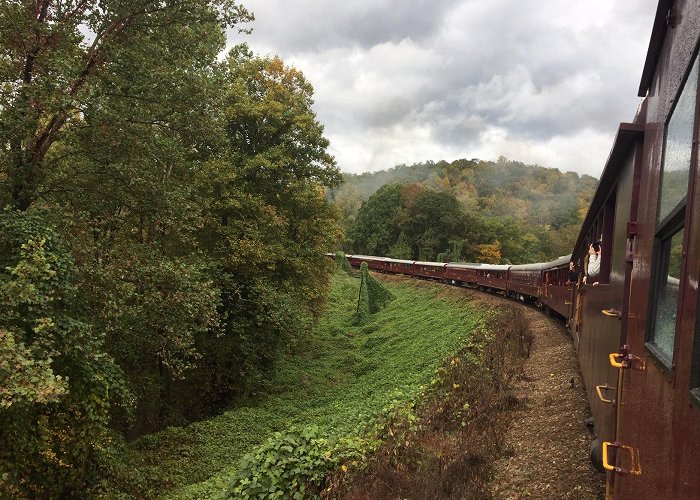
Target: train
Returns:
[[635, 329], [545, 285]]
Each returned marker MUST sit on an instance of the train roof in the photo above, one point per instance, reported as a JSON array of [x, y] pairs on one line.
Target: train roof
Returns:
[[559, 262], [366, 257], [537, 266], [479, 266], [400, 261], [464, 265], [424, 263], [658, 35]]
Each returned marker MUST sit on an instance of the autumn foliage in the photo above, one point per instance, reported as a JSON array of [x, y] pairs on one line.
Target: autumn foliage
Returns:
[[163, 221], [467, 210]]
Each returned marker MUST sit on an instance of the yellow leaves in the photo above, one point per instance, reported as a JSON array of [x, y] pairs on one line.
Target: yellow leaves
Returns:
[[489, 253], [29, 379], [43, 324]]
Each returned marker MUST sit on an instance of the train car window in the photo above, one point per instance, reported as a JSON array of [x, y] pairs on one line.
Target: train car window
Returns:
[[675, 168], [668, 242], [602, 230], [667, 287]]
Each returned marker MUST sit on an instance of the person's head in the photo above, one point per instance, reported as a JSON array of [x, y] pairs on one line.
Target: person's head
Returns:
[[571, 265], [596, 246]]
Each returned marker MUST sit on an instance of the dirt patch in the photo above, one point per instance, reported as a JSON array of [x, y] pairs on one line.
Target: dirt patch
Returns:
[[514, 431], [548, 440]]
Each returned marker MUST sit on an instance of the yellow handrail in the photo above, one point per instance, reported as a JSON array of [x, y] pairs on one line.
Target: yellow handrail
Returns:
[[614, 363], [636, 468], [599, 389]]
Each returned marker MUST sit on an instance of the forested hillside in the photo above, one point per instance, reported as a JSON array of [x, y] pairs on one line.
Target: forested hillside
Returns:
[[162, 228], [472, 210]]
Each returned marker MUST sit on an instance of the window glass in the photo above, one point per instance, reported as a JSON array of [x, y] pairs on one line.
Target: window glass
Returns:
[[677, 148], [667, 296]]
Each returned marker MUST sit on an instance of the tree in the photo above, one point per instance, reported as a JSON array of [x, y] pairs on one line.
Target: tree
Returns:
[[430, 220], [373, 232], [349, 202], [165, 228], [489, 253], [108, 113], [268, 224], [401, 249], [127, 76]]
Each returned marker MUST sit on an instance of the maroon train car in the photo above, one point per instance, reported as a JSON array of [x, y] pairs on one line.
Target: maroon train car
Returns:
[[657, 435], [556, 291], [492, 276], [398, 266], [524, 281], [432, 270], [378, 264], [462, 274]]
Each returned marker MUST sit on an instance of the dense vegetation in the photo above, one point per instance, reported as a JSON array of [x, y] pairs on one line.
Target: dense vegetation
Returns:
[[477, 211], [162, 228], [340, 385], [164, 211]]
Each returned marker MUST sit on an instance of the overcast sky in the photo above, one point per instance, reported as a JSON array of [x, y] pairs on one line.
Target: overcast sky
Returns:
[[404, 81]]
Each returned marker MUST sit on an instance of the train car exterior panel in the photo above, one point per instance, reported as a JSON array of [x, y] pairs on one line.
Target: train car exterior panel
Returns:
[[374, 263], [525, 280], [400, 266], [464, 274], [599, 327], [556, 290], [660, 415], [493, 276], [433, 270]]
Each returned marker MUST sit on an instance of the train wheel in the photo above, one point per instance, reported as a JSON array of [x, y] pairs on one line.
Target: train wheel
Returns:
[[597, 455]]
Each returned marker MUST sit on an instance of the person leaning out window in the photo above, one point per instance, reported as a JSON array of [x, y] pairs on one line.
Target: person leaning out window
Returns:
[[573, 273], [593, 264]]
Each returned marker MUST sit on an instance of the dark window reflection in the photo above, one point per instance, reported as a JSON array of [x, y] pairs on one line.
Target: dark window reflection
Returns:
[[677, 148], [667, 296]]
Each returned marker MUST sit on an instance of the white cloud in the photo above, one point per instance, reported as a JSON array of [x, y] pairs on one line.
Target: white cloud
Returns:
[[395, 81]]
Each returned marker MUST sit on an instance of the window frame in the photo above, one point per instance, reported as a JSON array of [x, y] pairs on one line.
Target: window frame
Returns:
[[694, 389], [665, 229], [674, 223], [602, 229]]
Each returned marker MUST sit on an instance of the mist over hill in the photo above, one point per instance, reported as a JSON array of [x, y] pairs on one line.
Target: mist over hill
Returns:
[[486, 211]]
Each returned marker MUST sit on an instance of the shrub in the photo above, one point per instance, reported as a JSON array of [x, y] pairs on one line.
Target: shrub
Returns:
[[292, 464], [342, 264], [373, 296], [57, 383]]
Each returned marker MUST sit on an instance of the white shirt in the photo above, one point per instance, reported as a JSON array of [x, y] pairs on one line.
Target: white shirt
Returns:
[[593, 266]]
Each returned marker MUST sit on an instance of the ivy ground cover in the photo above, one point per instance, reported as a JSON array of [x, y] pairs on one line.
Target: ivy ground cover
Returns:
[[341, 379]]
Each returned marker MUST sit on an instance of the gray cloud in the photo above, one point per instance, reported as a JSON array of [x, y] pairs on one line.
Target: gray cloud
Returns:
[[404, 81], [317, 25]]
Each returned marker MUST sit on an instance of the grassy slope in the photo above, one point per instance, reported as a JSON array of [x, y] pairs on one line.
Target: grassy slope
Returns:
[[343, 377]]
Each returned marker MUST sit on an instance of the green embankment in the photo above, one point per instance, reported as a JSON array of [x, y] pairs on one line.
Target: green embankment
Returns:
[[340, 380]]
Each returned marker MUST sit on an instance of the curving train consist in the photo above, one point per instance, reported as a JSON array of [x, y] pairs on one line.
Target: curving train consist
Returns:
[[636, 331], [544, 284]]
